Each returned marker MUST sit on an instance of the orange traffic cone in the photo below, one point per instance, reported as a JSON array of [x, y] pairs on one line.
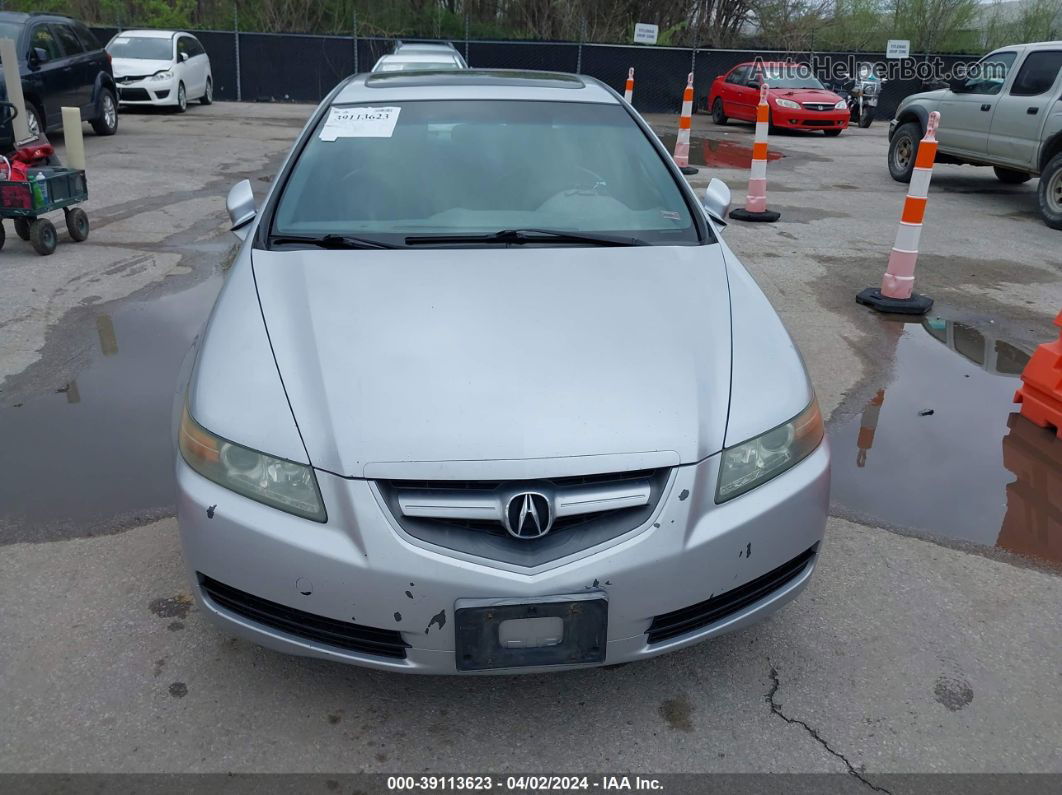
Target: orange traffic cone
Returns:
[[755, 208], [628, 91], [895, 293], [1040, 393], [682, 141]]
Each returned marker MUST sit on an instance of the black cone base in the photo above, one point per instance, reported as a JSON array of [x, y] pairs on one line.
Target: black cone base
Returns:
[[915, 305], [767, 216], [689, 171]]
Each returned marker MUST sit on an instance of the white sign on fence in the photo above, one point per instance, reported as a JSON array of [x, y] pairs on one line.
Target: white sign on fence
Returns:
[[645, 34], [898, 48]]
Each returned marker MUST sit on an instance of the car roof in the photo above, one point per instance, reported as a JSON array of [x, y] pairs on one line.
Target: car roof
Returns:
[[152, 34], [473, 84], [20, 16], [1031, 45], [424, 46], [419, 57]]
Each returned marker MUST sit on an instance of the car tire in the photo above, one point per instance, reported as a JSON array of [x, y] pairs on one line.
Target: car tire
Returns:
[[182, 99], [832, 133], [43, 236], [3, 234], [77, 224], [22, 227], [903, 149], [106, 121], [718, 116], [33, 121], [1050, 192], [208, 93], [1009, 176]]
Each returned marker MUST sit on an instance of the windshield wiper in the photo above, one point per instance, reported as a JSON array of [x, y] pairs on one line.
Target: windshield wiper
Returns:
[[331, 241], [521, 236]]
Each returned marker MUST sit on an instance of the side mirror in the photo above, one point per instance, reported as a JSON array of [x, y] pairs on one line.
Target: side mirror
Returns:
[[753, 84], [717, 199], [37, 56], [184, 56], [240, 204], [957, 85]]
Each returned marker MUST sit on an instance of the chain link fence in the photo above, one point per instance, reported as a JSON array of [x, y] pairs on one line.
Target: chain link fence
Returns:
[[289, 67]]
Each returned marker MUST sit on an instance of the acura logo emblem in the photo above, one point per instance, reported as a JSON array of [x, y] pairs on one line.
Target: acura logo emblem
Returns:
[[528, 515]]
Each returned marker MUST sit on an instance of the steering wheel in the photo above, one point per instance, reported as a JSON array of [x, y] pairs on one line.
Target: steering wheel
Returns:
[[598, 180], [382, 190]]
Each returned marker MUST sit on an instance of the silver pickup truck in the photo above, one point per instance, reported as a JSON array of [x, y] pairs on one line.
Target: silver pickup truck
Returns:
[[1005, 113]]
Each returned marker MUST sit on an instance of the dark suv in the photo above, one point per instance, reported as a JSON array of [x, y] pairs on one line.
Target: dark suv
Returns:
[[61, 64]]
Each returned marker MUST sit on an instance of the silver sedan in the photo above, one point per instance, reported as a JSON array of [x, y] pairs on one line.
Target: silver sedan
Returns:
[[486, 391]]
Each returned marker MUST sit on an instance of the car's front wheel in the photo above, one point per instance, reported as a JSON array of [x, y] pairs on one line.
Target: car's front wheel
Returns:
[[106, 121], [1011, 177], [1050, 192], [717, 111], [903, 149], [182, 98], [33, 121]]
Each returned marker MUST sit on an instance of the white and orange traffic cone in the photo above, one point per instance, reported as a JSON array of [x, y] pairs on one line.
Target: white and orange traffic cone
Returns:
[[895, 294], [755, 208], [628, 91], [682, 142]]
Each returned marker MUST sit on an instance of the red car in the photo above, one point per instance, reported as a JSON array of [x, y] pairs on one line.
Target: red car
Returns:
[[797, 99]]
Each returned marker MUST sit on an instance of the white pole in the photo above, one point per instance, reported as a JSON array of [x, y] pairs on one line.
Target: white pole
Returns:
[[13, 81], [75, 143]]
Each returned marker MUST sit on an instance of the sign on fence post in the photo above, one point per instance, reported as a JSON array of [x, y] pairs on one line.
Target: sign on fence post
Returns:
[[645, 34], [898, 48]]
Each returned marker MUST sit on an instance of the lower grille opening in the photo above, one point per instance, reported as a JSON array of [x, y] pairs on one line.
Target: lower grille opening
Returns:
[[715, 608], [133, 94], [344, 635]]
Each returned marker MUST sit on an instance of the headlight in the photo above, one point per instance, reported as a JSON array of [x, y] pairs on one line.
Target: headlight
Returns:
[[749, 464], [281, 484], [787, 103], [841, 105], [167, 75]]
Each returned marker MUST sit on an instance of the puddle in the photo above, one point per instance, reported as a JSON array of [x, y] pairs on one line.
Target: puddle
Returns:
[[717, 152], [95, 454], [941, 449]]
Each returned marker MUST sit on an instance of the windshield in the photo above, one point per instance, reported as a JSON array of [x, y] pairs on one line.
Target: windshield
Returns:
[[10, 30], [479, 167], [147, 49], [794, 77], [407, 66]]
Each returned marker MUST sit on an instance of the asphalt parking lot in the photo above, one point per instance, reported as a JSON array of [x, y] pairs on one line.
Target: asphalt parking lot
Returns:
[[927, 642]]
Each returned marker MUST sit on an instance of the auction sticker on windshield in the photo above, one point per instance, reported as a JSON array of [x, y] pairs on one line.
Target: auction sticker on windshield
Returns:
[[360, 123]]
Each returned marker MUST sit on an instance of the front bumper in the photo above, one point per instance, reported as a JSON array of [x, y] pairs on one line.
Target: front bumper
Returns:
[[809, 119], [361, 570], [148, 92]]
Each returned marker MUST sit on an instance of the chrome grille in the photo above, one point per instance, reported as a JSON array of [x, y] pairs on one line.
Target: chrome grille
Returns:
[[470, 516]]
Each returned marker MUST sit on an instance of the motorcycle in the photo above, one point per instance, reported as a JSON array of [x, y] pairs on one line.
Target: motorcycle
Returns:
[[861, 92]]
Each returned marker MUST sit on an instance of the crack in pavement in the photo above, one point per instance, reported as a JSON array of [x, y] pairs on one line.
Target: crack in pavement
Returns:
[[777, 710]]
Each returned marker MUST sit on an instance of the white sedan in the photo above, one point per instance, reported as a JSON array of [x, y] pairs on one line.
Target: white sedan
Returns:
[[160, 67]]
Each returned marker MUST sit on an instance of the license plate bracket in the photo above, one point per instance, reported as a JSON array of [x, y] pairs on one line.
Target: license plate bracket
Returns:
[[477, 623]]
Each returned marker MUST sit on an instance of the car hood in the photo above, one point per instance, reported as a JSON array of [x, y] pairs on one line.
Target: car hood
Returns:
[[515, 362], [936, 95], [138, 67], [805, 94]]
